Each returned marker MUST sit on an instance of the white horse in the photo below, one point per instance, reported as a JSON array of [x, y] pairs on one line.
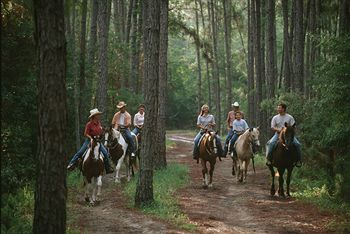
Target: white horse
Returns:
[[92, 169], [117, 146], [244, 149]]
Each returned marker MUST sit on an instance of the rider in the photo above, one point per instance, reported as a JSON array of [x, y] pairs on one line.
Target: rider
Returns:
[[205, 121], [239, 126], [92, 129], [229, 120], [277, 123], [122, 121], [139, 119]]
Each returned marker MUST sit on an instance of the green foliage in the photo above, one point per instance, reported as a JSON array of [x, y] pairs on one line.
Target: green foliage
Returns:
[[17, 211], [165, 184]]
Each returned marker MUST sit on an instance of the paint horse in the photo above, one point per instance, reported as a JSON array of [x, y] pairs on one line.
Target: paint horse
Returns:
[[284, 156], [117, 146], [244, 149], [208, 153], [92, 169]]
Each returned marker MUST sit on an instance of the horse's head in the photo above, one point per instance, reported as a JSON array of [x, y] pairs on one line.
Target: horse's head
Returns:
[[211, 142], [95, 148], [287, 135], [110, 136], [254, 135]]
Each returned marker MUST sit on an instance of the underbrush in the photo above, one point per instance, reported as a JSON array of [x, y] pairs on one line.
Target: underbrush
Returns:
[[17, 211], [165, 205]]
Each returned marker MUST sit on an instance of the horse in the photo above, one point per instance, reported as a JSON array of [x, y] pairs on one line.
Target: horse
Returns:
[[284, 156], [117, 146], [244, 149], [92, 169], [208, 153]]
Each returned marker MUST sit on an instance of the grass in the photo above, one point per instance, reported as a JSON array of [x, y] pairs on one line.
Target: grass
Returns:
[[165, 205]]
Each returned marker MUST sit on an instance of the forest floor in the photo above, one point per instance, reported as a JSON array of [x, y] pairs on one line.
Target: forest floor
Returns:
[[227, 207]]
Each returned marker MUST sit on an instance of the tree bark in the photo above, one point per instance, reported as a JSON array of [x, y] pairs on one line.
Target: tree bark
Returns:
[[83, 102], [151, 33], [128, 22], [134, 49], [271, 53], [344, 17], [299, 46], [228, 29], [258, 64], [51, 189], [251, 62], [199, 69], [103, 58], [160, 161], [139, 50], [216, 77], [286, 45]]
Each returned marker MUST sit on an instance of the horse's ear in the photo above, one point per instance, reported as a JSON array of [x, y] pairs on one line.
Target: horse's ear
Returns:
[[285, 124], [250, 129], [217, 133], [295, 124], [257, 128]]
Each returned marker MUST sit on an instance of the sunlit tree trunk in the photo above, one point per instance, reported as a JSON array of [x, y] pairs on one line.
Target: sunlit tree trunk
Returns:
[[199, 69], [51, 188]]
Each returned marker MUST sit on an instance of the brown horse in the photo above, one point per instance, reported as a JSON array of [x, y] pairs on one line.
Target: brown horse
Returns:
[[284, 157], [208, 153], [92, 170]]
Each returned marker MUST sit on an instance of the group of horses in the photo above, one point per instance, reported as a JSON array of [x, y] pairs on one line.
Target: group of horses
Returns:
[[92, 165], [284, 156]]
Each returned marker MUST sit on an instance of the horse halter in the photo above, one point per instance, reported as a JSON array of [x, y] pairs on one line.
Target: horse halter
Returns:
[[208, 149]]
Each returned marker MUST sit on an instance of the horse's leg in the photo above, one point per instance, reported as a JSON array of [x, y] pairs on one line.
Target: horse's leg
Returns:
[[86, 185], [281, 182], [289, 175], [204, 172], [93, 192], [211, 172], [99, 186], [117, 169], [272, 190], [245, 163], [241, 164], [128, 166]]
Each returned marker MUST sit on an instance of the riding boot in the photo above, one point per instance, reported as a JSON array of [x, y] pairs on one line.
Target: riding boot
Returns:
[[108, 167], [225, 150], [71, 166], [268, 159], [221, 152]]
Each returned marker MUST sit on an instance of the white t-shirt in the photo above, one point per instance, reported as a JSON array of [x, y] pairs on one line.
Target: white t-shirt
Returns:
[[239, 125], [279, 120], [121, 119], [205, 120], [139, 119]]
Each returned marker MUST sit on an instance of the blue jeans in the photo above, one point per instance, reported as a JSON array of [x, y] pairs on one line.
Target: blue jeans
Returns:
[[129, 139], [84, 147], [272, 143], [136, 131], [233, 140], [229, 136]]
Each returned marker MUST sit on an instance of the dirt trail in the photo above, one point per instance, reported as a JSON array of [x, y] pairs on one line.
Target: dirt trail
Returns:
[[228, 207]]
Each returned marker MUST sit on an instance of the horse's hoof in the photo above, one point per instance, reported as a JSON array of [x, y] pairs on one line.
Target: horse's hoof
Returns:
[[117, 181], [87, 199], [288, 195], [272, 192], [210, 185]]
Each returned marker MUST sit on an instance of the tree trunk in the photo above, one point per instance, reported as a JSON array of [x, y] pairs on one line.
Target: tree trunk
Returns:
[[91, 81], [83, 102], [134, 50], [51, 189], [128, 22], [199, 69], [139, 50], [271, 53], [216, 77], [103, 58], [228, 29], [344, 17], [299, 46], [286, 45], [160, 161], [258, 64], [151, 33], [251, 19]]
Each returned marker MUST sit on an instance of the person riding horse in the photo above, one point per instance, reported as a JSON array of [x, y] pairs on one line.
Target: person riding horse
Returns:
[[139, 119], [92, 129], [205, 122], [230, 118], [122, 121], [239, 126], [277, 123]]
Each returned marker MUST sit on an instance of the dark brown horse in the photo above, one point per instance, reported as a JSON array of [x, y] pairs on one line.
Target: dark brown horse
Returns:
[[284, 157], [208, 153], [92, 170]]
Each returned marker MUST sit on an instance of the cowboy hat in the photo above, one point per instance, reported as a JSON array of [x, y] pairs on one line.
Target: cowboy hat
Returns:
[[235, 104], [94, 112], [121, 104]]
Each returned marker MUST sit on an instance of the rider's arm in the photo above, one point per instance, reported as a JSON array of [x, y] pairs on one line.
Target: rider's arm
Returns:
[[87, 131], [273, 125], [228, 120]]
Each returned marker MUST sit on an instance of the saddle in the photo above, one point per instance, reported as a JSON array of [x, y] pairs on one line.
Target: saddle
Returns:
[[123, 132]]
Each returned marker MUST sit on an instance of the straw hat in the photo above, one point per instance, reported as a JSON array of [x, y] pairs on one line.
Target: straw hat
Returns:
[[121, 105], [94, 112]]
